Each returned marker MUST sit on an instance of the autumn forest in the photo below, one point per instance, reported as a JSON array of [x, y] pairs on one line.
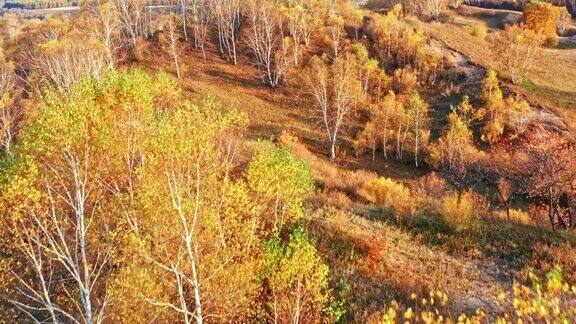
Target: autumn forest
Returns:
[[288, 161]]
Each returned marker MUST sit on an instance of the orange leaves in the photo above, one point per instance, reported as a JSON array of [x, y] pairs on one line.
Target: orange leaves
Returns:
[[542, 17]]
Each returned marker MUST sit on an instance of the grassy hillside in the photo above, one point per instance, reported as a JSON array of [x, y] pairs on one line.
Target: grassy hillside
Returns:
[[550, 83], [196, 191], [376, 257]]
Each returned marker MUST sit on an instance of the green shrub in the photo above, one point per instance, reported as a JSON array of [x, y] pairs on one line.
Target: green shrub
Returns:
[[298, 278]]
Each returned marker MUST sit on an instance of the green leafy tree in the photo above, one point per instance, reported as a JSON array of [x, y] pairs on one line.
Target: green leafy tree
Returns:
[[280, 182], [297, 278]]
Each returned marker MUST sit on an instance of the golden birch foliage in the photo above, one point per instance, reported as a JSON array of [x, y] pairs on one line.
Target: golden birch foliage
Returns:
[[18, 193], [519, 114], [518, 47], [418, 111], [133, 282], [491, 92], [184, 191], [494, 107], [126, 133], [367, 139], [459, 134], [391, 196], [456, 146], [18, 196], [542, 17], [168, 209], [64, 165], [467, 112], [459, 211]]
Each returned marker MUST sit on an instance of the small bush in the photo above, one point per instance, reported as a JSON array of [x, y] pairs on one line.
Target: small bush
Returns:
[[390, 196], [551, 301], [333, 198], [433, 186], [346, 181], [459, 211], [405, 80], [479, 30], [141, 50], [292, 267]]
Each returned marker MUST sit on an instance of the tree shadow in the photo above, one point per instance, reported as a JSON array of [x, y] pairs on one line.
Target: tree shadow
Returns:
[[495, 238], [232, 78], [555, 97]]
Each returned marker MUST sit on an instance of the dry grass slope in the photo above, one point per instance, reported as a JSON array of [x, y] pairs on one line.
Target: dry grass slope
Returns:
[[382, 258]]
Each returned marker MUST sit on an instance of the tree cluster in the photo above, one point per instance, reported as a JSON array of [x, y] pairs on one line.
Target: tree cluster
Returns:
[[163, 225]]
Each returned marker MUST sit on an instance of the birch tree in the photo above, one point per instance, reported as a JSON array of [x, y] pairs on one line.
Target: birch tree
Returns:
[[101, 24], [57, 242], [431, 8], [65, 225], [298, 280], [302, 19], [227, 14], [9, 113], [10, 24], [65, 59], [402, 124], [133, 19], [171, 40], [267, 42], [294, 13], [384, 117], [518, 47], [183, 11], [201, 16], [377, 130], [109, 26], [337, 90], [419, 111], [335, 25]]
